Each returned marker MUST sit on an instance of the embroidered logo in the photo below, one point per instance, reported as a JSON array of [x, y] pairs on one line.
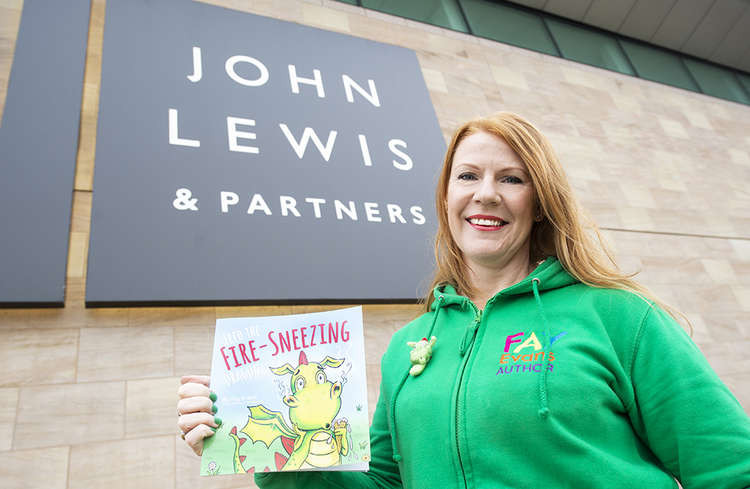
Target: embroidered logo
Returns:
[[520, 359]]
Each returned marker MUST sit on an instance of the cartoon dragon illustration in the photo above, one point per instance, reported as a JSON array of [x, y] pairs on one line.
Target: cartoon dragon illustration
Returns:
[[314, 439]]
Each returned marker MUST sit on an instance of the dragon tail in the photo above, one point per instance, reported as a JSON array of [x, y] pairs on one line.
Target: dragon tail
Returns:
[[238, 459]]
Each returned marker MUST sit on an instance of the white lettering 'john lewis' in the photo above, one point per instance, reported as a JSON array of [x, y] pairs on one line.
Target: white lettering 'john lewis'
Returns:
[[263, 75], [251, 72], [299, 146], [197, 66], [393, 145], [174, 137], [316, 81], [350, 86], [308, 134], [233, 134], [371, 96]]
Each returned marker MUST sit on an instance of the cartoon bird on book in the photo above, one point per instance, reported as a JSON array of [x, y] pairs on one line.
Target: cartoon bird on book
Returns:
[[314, 439]]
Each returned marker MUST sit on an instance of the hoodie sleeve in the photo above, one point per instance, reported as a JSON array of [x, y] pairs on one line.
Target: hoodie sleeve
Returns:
[[383, 473], [682, 410]]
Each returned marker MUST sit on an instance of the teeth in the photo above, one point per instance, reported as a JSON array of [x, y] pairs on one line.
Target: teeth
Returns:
[[486, 222]]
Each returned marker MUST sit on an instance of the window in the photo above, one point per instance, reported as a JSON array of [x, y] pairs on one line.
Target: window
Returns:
[[443, 13], [717, 81], [745, 81], [509, 25], [589, 46], [658, 65]]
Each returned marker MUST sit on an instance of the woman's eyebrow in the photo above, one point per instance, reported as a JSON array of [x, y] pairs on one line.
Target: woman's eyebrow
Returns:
[[457, 166]]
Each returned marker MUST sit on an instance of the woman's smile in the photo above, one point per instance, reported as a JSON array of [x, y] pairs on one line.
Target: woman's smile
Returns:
[[483, 222]]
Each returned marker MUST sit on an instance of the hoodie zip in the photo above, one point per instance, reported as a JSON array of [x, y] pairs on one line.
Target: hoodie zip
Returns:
[[465, 350]]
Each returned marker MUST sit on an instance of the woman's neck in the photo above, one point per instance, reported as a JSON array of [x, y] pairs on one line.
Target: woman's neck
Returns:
[[488, 281]]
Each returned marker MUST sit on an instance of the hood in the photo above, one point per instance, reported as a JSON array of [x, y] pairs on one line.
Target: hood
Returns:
[[550, 275]]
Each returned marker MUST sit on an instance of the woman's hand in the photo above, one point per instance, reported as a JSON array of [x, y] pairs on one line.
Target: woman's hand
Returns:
[[196, 410]]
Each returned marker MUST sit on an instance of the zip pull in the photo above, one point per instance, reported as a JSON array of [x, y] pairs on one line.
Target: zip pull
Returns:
[[468, 338]]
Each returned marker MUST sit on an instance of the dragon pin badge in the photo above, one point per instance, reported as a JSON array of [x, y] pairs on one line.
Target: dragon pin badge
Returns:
[[420, 354]]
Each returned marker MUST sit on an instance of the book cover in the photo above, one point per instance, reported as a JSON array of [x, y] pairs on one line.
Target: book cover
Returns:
[[291, 393]]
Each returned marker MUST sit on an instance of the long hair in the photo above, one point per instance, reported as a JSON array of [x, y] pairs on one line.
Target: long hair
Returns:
[[564, 231]]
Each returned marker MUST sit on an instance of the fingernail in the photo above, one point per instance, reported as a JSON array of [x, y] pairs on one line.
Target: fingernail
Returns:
[[212, 397], [217, 420], [214, 408]]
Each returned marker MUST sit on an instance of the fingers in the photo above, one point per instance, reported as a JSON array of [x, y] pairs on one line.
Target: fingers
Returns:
[[198, 379], [187, 422], [194, 438], [196, 411], [193, 389], [195, 405]]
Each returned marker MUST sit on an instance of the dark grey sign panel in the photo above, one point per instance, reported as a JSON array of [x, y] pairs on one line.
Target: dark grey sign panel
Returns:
[[244, 159], [38, 144]]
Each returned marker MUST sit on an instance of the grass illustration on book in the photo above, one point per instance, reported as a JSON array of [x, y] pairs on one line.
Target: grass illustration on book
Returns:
[[292, 394]]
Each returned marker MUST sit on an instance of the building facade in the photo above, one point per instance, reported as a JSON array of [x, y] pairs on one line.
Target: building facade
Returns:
[[87, 396]]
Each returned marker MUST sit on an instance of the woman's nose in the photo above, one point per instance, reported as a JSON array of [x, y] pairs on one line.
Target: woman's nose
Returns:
[[486, 192]]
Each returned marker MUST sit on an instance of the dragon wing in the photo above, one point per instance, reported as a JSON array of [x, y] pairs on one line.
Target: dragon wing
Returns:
[[266, 426]]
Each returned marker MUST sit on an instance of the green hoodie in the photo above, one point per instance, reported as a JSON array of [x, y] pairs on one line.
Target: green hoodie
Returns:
[[554, 385]]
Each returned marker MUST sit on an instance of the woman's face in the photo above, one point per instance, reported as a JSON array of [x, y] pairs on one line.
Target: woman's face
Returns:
[[490, 202]]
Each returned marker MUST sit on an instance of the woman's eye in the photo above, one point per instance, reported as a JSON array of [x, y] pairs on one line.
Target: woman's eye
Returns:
[[467, 176], [511, 179]]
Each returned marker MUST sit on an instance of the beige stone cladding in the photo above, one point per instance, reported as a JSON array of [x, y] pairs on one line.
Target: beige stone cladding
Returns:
[[663, 171]]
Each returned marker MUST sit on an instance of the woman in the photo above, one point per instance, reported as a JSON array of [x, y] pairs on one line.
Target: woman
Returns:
[[550, 368]]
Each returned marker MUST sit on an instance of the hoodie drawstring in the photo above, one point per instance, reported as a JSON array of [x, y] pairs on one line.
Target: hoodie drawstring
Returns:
[[394, 442], [468, 338], [543, 409]]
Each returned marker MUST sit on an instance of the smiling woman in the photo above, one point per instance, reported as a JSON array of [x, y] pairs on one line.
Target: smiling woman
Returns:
[[547, 366], [505, 163]]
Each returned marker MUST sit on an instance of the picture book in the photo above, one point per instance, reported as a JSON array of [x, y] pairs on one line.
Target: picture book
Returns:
[[291, 394]]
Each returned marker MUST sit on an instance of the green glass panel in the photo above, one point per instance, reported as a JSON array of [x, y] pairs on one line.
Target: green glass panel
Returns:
[[717, 81], [509, 25], [443, 13], [745, 80], [588, 46], [658, 65]]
